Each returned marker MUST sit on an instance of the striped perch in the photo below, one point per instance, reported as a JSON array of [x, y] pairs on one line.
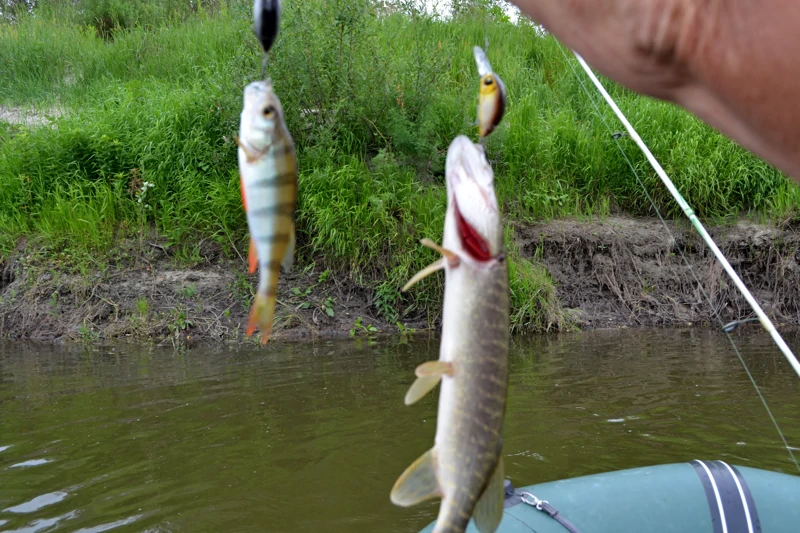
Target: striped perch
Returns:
[[268, 173]]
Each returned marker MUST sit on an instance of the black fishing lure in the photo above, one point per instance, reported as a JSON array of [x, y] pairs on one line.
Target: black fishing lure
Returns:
[[267, 15]]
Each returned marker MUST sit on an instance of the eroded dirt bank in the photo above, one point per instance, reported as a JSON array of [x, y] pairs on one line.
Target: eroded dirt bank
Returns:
[[624, 271], [608, 273]]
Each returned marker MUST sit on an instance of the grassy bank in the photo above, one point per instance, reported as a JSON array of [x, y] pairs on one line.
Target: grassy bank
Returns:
[[151, 91]]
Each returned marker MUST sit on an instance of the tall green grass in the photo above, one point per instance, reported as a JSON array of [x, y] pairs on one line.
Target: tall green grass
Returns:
[[151, 91]]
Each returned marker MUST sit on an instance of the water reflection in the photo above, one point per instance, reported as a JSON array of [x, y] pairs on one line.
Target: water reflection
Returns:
[[311, 437], [38, 503], [32, 462], [44, 524], [112, 525]]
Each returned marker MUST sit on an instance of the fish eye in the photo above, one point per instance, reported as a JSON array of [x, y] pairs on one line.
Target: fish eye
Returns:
[[268, 110], [488, 81]]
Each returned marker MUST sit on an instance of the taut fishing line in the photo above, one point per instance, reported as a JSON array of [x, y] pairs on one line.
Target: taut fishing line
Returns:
[[486, 31], [707, 238]]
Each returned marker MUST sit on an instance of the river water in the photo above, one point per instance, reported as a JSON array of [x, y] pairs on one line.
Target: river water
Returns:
[[310, 437]]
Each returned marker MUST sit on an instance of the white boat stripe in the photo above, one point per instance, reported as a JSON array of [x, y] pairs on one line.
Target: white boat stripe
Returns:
[[716, 494], [744, 498]]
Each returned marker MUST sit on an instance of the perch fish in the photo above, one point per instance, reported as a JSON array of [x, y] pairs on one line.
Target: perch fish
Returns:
[[268, 175]]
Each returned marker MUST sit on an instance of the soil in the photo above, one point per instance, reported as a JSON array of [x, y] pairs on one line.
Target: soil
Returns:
[[613, 272], [635, 272], [152, 298], [29, 116]]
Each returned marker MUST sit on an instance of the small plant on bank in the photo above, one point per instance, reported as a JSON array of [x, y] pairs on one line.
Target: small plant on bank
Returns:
[[87, 334], [360, 328], [189, 291], [327, 306], [142, 307]]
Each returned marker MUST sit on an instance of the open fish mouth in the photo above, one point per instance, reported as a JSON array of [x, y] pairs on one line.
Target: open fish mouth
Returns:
[[472, 201], [472, 241]]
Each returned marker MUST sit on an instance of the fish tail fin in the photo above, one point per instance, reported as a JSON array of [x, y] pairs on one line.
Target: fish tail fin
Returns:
[[488, 511], [418, 483], [262, 314], [288, 257]]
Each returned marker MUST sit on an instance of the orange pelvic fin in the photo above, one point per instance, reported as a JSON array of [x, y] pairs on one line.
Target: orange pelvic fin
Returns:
[[241, 188], [252, 257]]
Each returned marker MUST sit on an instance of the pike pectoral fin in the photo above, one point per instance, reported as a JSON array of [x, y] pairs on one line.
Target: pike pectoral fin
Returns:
[[418, 483], [424, 273], [451, 256], [489, 509], [421, 386], [448, 258]]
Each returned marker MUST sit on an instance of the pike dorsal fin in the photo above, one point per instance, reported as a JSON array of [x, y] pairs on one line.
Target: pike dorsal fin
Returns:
[[489, 509], [418, 483]]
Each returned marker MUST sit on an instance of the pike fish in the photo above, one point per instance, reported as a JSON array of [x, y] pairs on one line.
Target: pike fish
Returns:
[[465, 467], [491, 95], [268, 172]]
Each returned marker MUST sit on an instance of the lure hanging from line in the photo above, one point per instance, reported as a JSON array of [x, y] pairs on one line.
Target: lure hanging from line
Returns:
[[491, 95], [267, 18]]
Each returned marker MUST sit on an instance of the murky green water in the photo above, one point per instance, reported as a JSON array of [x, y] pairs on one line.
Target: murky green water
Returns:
[[310, 438]]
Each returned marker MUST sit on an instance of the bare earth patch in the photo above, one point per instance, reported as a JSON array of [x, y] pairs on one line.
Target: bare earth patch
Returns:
[[630, 272], [153, 300], [29, 116]]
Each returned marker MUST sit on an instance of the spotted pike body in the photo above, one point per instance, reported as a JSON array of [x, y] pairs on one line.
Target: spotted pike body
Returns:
[[464, 468], [268, 171]]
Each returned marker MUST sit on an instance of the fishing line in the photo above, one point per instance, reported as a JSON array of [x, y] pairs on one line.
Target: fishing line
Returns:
[[486, 31], [689, 213]]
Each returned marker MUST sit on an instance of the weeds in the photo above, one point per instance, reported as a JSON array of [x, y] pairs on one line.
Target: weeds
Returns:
[[180, 321], [87, 334], [142, 307], [188, 291], [359, 328]]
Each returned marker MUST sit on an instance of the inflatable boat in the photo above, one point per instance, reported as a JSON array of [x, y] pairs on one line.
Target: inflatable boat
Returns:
[[696, 497]]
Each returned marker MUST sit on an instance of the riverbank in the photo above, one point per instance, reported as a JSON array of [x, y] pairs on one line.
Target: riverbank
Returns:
[[606, 272], [98, 99]]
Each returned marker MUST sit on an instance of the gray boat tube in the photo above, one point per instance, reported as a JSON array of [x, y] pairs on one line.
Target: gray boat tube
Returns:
[[697, 497]]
